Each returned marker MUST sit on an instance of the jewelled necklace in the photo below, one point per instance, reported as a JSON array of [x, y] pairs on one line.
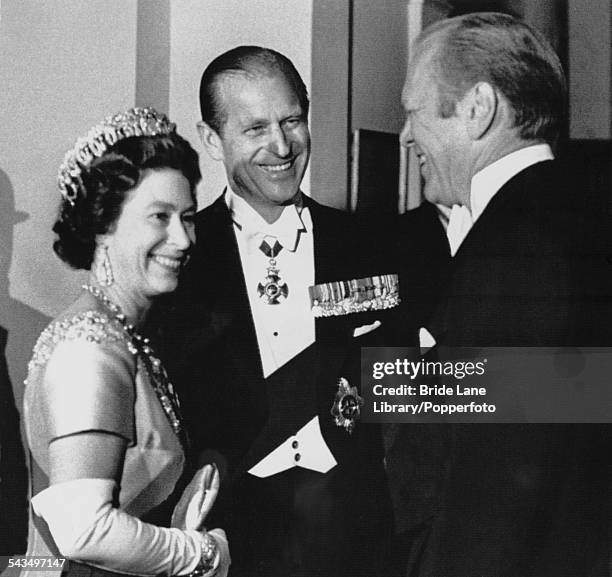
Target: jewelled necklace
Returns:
[[139, 345]]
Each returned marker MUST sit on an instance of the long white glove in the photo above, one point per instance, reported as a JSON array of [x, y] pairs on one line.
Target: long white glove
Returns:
[[87, 528]]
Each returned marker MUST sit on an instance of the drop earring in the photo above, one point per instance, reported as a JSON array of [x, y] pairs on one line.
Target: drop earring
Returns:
[[104, 270]]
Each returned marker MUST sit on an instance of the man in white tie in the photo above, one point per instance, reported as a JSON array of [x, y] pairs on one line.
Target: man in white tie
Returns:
[[485, 101], [269, 392]]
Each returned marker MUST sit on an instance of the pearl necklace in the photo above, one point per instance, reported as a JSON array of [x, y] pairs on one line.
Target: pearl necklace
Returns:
[[139, 346]]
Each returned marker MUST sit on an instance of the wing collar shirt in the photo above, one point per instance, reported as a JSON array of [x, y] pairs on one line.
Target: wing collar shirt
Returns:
[[285, 329], [485, 185]]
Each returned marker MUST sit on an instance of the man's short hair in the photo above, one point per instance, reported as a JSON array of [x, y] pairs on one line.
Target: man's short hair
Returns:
[[512, 57], [250, 60]]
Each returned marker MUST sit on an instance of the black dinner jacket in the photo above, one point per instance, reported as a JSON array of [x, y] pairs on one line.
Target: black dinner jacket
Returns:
[[533, 271], [524, 499], [234, 415]]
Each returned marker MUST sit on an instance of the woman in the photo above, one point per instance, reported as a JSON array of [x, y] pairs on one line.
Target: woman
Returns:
[[102, 421]]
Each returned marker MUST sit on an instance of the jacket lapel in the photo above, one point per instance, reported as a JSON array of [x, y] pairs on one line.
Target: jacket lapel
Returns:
[[329, 251], [218, 259], [334, 338]]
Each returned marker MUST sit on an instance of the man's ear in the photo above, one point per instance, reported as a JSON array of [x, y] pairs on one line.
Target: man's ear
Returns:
[[211, 140], [479, 108]]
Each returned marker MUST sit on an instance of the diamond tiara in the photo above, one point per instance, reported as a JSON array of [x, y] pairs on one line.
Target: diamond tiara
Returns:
[[144, 121]]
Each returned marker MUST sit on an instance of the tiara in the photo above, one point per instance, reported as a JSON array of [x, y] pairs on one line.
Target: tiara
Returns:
[[134, 122]]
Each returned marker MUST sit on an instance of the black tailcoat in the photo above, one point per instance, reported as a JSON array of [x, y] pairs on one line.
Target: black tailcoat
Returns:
[[297, 522]]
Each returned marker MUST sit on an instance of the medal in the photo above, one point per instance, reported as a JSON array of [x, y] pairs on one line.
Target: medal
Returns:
[[272, 290]]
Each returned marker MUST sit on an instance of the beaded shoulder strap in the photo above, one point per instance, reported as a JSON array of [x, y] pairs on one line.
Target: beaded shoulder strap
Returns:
[[92, 326]]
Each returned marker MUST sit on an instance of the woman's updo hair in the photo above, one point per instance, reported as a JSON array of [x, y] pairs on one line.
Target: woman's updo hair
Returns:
[[102, 187]]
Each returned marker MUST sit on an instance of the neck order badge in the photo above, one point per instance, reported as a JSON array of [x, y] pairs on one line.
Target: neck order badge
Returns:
[[272, 290]]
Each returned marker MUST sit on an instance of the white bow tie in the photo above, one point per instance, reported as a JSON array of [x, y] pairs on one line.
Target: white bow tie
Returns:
[[286, 231]]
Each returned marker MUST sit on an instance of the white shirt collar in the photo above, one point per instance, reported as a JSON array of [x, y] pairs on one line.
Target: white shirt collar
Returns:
[[486, 184], [286, 228]]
